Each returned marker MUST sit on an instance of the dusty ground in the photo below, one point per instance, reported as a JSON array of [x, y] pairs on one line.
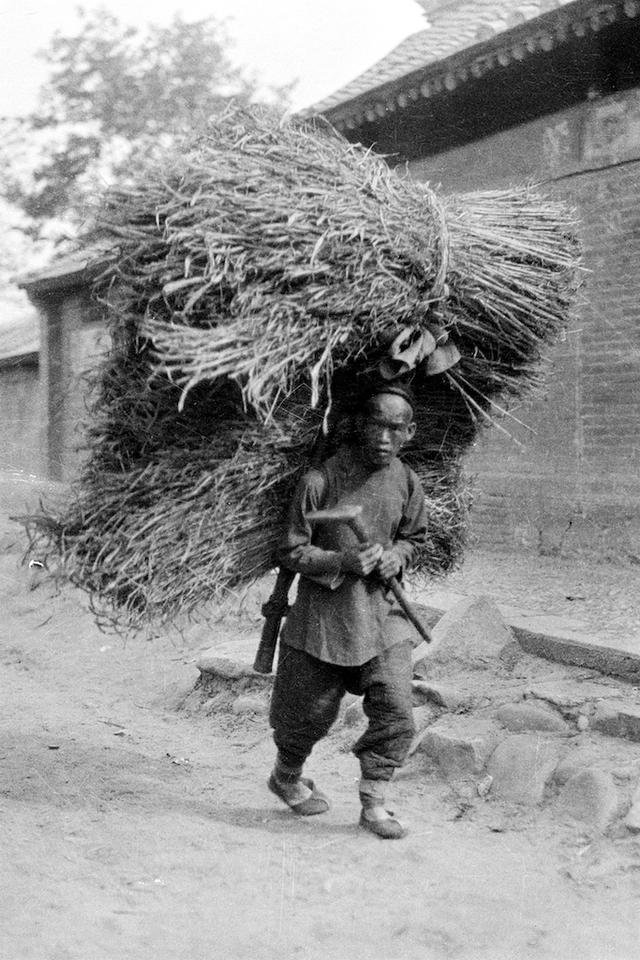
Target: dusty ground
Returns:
[[132, 829]]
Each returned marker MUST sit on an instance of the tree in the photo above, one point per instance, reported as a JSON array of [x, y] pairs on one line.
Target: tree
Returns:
[[113, 91]]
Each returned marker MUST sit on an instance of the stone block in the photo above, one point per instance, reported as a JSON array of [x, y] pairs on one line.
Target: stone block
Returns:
[[240, 651], [574, 762], [223, 667], [249, 704], [538, 637], [632, 819], [522, 766], [472, 632], [591, 797], [423, 718], [570, 695], [460, 745], [617, 719], [442, 695], [527, 717]]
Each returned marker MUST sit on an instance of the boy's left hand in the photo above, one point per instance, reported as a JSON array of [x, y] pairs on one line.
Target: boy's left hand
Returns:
[[389, 564]]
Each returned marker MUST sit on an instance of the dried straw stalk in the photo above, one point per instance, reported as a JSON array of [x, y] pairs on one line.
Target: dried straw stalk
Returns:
[[244, 272]]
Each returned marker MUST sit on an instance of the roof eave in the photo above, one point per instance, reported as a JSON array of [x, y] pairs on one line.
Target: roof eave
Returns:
[[541, 34], [27, 357], [63, 277]]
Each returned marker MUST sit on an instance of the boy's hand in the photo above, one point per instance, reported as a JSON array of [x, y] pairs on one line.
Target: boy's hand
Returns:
[[361, 560], [389, 564]]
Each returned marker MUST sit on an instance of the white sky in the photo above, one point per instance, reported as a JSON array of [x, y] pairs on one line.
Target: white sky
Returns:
[[323, 43]]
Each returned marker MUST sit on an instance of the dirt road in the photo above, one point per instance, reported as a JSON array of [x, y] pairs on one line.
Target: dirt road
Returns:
[[133, 830]]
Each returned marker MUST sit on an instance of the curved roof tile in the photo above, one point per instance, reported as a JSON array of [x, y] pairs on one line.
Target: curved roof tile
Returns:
[[452, 30]]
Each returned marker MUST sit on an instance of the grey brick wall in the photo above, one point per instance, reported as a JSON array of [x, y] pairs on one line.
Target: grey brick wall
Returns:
[[571, 484]]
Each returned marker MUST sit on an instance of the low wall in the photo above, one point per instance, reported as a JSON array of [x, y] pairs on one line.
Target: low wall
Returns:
[[22, 425], [569, 482]]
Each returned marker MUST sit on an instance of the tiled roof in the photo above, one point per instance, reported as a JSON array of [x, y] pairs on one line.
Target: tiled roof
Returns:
[[19, 337], [453, 29]]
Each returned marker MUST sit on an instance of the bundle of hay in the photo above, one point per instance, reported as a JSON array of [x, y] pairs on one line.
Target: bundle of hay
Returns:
[[253, 279]]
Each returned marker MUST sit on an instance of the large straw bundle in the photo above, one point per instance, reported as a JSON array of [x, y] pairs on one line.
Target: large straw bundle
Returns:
[[252, 277]]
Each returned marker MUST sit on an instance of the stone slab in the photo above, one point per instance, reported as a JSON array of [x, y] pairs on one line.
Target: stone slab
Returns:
[[617, 718], [230, 659], [442, 695], [249, 705], [223, 667], [472, 632], [567, 694], [632, 819], [521, 767], [460, 745], [591, 797], [551, 639], [521, 717], [579, 653], [575, 761]]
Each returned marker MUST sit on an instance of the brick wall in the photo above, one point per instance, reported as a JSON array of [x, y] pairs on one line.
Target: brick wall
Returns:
[[571, 484], [21, 424]]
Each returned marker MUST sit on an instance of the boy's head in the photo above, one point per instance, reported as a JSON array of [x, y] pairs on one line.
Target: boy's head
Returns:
[[385, 423]]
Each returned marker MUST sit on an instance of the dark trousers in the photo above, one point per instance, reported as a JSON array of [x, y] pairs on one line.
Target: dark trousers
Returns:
[[306, 700]]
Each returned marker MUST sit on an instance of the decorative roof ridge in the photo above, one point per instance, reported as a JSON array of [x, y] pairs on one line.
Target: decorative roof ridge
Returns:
[[539, 34]]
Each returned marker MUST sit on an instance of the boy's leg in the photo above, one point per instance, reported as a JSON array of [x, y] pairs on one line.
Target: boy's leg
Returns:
[[385, 683], [304, 705]]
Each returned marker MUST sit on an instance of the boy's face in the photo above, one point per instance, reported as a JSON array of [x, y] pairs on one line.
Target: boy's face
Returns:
[[385, 426]]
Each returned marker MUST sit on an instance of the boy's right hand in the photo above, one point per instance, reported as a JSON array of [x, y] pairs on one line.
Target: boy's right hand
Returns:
[[361, 560]]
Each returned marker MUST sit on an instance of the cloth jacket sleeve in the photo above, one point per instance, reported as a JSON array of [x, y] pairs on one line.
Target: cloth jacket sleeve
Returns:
[[412, 531], [296, 550]]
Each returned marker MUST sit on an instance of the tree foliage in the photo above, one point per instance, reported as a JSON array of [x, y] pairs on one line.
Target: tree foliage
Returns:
[[114, 90]]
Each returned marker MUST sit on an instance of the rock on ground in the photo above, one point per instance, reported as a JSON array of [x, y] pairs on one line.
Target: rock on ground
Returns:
[[442, 695], [632, 819], [521, 717], [617, 719], [460, 745], [522, 766], [574, 762], [223, 667], [591, 797], [248, 705], [569, 695], [473, 632]]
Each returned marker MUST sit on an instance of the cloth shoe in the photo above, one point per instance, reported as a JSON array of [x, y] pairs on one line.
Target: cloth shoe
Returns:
[[316, 803], [385, 827]]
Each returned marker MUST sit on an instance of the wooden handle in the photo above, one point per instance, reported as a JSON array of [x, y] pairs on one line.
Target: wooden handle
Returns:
[[359, 529], [409, 612], [274, 610], [361, 533]]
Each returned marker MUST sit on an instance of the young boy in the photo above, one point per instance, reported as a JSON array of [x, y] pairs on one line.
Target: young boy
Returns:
[[345, 631]]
